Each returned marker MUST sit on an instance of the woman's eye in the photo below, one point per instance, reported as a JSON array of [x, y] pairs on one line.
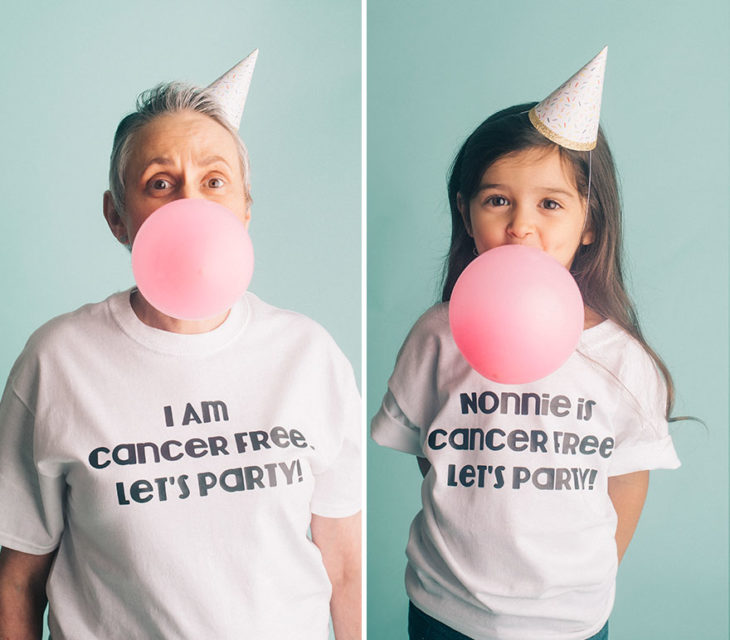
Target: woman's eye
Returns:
[[215, 183], [496, 201], [160, 184], [550, 204]]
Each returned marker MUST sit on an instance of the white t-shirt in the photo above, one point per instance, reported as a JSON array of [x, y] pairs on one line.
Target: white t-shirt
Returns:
[[177, 474], [515, 540]]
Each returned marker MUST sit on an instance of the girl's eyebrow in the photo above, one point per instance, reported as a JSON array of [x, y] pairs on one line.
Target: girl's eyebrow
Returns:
[[563, 192], [555, 190], [484, 187]]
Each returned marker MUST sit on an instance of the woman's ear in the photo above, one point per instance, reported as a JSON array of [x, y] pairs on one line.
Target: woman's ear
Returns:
[[464, 211], [114, 219]]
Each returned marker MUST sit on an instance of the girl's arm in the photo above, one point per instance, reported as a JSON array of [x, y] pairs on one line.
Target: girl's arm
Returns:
[[628, 493], [22, 594], [339, 541]]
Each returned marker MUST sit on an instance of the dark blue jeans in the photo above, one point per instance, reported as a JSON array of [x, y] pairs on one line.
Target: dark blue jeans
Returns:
[[423, 627]]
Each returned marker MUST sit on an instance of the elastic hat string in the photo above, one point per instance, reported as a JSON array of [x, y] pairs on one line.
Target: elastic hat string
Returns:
[[588, 195]]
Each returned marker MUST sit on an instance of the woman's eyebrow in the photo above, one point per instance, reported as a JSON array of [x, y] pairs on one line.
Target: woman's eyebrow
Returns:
[[154, 161], [159, 160], [166, 162], [213, 160]]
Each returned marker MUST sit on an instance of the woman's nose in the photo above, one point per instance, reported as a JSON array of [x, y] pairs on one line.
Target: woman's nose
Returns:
[[189, 190]]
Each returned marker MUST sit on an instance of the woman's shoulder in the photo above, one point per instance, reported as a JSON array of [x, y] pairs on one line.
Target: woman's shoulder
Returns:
[[68, 328], [65, 336], [284, 325], [263, 311]]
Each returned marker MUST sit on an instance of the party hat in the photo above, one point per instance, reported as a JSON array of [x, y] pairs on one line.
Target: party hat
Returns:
[[231, 88], [569, 115]]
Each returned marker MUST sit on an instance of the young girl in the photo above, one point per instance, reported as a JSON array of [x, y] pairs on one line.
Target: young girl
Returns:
[[531, 492]]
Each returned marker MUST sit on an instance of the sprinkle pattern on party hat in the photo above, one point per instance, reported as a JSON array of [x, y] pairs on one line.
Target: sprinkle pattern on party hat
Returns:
[[569, 115], [231, 88]]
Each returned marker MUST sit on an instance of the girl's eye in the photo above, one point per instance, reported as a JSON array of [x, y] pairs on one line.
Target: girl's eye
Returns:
[[216, 183], [496, 201], [550, 204]]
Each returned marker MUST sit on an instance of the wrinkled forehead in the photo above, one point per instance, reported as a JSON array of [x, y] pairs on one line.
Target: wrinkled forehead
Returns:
[[186, 136]]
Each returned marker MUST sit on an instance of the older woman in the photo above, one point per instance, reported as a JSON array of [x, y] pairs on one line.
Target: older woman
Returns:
[[158, 476]]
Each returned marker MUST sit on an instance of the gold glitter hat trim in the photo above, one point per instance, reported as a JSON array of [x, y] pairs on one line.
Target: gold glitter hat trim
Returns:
[[556, 137]]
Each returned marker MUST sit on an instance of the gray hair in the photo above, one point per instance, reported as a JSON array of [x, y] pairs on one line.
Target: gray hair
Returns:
[[171, 97]]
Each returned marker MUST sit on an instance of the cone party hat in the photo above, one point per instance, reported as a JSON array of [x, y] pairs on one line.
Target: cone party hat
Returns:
[[231, 88], [569, 115]]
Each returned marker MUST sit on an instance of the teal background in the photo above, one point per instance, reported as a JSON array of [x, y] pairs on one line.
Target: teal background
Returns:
[[71, 70], [435, 71]]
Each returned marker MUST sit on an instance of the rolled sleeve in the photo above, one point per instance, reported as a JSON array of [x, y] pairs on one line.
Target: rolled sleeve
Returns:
[[644, 456], [391, 428], [642, 431]]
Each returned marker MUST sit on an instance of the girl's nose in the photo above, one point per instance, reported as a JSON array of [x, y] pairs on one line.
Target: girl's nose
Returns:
[[521, 225]]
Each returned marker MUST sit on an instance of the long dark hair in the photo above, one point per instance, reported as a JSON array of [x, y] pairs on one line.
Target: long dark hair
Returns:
[[597, 266]]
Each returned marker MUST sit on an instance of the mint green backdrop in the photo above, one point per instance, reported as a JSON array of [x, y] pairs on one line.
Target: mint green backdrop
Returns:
[[71, 70], [435, 71]]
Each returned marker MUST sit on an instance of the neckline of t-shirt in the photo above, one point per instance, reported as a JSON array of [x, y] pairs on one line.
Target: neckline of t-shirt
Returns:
[[183, 344], [598, 331], [591, 335]]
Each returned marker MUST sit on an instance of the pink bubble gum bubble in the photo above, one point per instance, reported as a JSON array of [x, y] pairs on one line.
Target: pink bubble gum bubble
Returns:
[[516, 314], [192, 259]]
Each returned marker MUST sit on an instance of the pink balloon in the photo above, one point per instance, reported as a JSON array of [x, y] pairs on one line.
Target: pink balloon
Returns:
[[192, 259], [516, 314]]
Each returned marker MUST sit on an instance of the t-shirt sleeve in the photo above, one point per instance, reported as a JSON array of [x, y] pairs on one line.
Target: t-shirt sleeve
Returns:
[[392, 428], [413, 397], [337, 487], [642, 433], [31, 503]]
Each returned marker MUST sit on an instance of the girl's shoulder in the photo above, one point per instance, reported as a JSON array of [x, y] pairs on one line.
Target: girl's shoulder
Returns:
[[623, 357], [429, 333], [611, 341], [434, 321]]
